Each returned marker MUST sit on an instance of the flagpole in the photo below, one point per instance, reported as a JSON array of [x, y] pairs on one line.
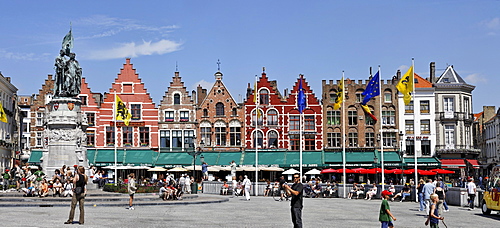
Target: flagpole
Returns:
[[414, 138], [256, 136], [343, 136], [114, 136], [300, 127], [381, 135]]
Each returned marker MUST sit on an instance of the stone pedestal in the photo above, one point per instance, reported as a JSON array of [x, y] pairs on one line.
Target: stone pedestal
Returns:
[[64, 135]]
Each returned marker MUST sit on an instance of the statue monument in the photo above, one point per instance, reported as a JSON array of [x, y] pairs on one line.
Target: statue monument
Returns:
[[64, 123]]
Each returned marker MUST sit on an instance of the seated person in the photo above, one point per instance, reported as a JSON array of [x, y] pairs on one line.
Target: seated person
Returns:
[[99, 179], [404, 192], [224, 188], [392, 189], [68, 188], [268, 189], [29, 190], [163, 192], [372, 192], [57, 187], [43, 189], [316, 190], [239, 188], [353, 191], [361, 191]]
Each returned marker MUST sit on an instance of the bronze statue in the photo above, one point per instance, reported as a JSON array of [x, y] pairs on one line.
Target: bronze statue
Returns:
[[68, 71]]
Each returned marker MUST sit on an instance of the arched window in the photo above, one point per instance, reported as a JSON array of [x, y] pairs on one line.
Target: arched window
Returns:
[[264, 97], [272, 117], [177, 99], [273, 139], [219, 109], [257, 138]]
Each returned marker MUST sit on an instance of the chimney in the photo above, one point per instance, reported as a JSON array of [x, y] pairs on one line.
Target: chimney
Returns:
[[433, 72], [398, 74]]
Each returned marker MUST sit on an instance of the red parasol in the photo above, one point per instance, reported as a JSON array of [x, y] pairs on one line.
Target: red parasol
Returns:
[[442, 171], [346, 171], [409, 171], [397, 171], [426, 172], [359, 170], [328, 171]]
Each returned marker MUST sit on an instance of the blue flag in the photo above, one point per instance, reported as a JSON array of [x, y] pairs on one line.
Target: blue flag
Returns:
[[301, 97], [372, 90]]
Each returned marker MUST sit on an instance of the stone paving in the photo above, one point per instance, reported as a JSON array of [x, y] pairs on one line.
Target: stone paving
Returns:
[[237, 212]]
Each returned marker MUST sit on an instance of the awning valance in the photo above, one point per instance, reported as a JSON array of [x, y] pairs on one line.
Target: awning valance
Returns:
[[452, 163]]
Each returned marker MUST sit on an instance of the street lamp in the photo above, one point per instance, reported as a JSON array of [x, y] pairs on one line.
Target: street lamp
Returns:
[[194, 152]]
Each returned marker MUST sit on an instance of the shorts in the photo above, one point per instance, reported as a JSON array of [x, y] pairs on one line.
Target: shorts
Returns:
[[131, 194], [386, 224]]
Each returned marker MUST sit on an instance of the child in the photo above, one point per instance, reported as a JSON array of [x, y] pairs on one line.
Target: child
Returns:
[[433, 217], [385, 211]]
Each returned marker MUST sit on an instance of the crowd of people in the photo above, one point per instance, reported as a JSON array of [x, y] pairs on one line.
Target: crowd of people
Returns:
[[32, 181]]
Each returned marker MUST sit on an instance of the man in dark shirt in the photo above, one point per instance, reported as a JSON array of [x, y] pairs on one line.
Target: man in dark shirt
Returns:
[[296, 204]]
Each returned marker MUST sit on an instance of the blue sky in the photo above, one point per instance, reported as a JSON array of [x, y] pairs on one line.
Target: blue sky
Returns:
[[319, 39]]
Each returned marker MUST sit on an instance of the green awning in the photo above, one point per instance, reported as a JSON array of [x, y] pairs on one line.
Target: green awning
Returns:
[[309, 159], [426, 162], [362, 159], [35, 157], [140, 157], [168, 159], [91, 156], [211, 158], [226, 157], [106, 157], [265, 158]]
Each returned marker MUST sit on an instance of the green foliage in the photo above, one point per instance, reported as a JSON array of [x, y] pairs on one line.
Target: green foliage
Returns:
[[122, 188]]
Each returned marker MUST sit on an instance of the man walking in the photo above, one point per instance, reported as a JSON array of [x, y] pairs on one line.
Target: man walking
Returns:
[[428, 190], [297, 197], [471, 189], [248, 185]]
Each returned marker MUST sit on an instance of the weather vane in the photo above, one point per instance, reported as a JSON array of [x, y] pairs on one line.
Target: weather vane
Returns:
[[218, 65]]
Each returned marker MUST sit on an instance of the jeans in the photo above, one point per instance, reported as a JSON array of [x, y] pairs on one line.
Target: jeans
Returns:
[[445, 205], [80, 199], [296, 217], [421, 201], [472, 197]]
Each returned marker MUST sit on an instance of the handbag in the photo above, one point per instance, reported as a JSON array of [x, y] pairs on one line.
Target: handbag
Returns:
[[78, 190]]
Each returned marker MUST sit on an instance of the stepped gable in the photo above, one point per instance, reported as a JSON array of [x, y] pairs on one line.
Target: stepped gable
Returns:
[[131, 90]]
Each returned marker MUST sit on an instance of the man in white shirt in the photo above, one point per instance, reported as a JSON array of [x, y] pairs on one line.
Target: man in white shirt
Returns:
[[248, 185], [233, 168], [471, 189]]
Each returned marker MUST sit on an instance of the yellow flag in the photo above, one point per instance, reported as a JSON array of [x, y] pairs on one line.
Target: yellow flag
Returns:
[[121, 111], [340, 95], [405, 85], [3, 115]]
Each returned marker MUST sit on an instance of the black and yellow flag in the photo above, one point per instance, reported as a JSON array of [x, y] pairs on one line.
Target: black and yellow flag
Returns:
[[121, 111], [3, 115]]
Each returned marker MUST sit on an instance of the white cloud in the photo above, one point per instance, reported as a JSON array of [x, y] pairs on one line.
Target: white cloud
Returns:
[[24, 56], [111, 26], [475, 79], [134, 50], [493, 24], [204, 84]]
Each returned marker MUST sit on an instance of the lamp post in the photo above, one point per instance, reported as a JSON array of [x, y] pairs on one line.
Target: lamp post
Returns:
[[194, 152]]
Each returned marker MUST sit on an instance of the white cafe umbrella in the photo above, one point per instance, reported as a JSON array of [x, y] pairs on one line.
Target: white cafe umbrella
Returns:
[[273, 169], [313, 172], [210, 168], [158, 169], [178, 169], [290, 171]]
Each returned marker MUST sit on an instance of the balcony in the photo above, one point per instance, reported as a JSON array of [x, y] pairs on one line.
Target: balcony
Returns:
[[457, 149], [455, 116]]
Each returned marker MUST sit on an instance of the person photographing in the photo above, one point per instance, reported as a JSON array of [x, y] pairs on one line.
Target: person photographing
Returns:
[[296, 204]]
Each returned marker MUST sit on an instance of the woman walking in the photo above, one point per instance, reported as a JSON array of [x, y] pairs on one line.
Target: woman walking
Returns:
[[131, 190], [79, 192]]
